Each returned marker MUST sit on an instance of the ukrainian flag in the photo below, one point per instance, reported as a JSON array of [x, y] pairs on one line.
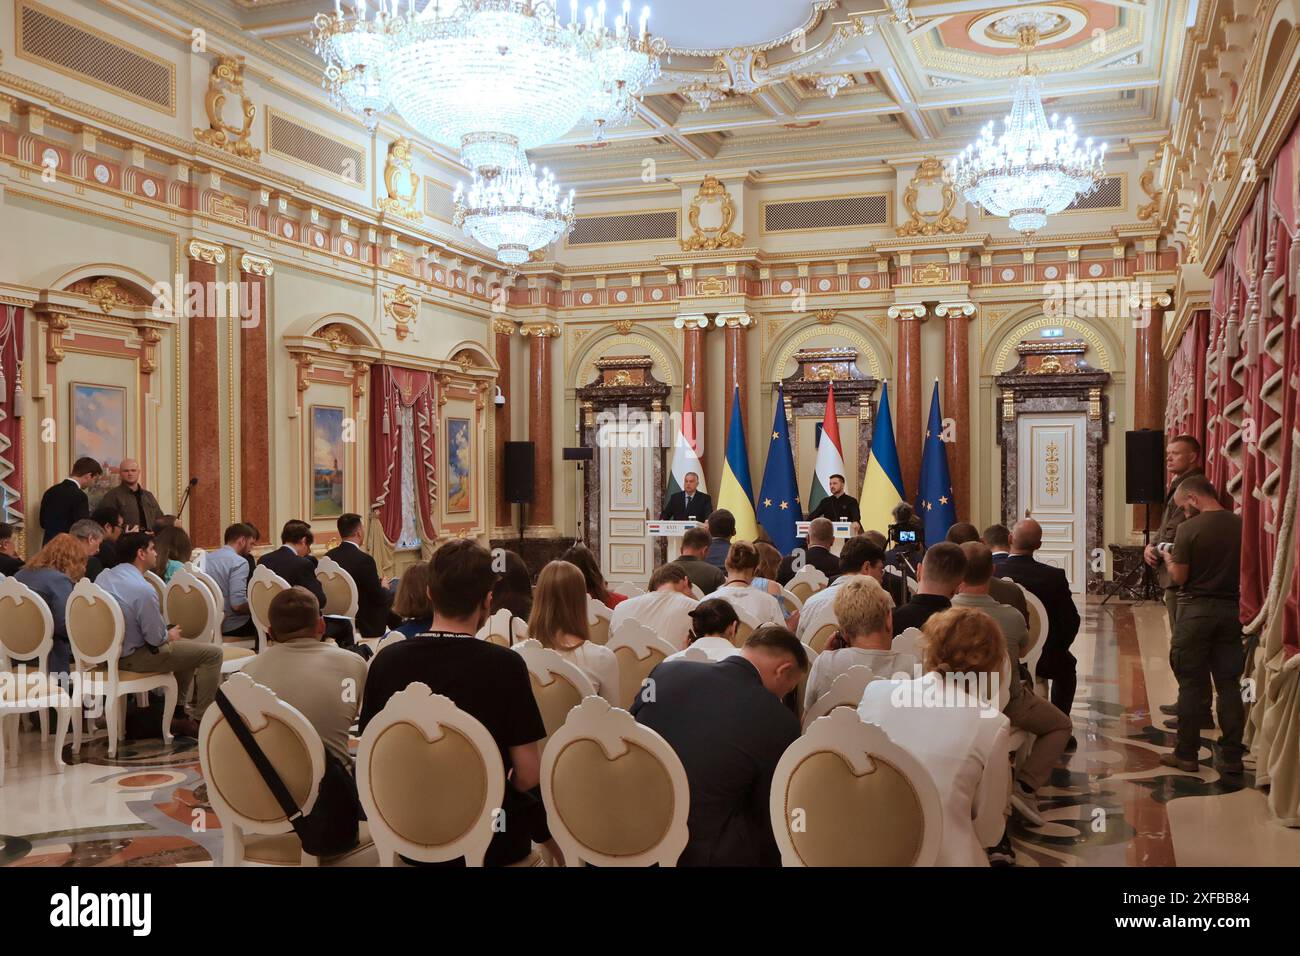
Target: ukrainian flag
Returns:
[[736, 491], [882, 486]]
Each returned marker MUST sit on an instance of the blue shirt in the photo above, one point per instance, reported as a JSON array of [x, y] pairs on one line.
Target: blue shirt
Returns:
[[139, 603], [230, 571]]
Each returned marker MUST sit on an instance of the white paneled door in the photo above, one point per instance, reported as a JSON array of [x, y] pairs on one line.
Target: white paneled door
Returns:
[[1054, 489], [626, 469]]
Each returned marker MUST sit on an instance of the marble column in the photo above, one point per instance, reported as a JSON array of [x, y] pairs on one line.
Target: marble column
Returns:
[[203, 511], [694, 370], [503, 331], [956, 398], [254, 396], [1149, 380], [541, 514], [910, 430], [734, 368]]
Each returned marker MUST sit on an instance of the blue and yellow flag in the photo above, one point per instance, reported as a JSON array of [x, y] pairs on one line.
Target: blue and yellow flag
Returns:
[[736, 491], [934, 503], [778, 503], [882, 486]]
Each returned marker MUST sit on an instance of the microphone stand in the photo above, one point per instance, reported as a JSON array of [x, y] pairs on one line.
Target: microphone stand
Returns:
[[185, 498]]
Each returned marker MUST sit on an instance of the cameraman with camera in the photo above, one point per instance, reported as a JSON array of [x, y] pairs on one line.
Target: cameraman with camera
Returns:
[[905, 547]]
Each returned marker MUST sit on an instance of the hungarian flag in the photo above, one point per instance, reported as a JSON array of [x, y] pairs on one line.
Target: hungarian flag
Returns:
[[830, 459], [686, 457]]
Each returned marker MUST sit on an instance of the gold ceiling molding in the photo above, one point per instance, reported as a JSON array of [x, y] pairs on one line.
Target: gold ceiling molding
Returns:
[[228, 77], [209, 252], [256, 265], [711, 238], [401, 182], [930, 222], [403, 308]]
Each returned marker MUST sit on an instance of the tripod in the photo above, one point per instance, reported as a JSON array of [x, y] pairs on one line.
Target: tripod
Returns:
[[1148, 588]]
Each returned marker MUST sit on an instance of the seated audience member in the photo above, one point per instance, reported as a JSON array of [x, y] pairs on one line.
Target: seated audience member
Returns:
[[955, 731], [742, 565], [52, 574], [559, 622], [325, 682], [941, 573], [162, 523], [112, 524], [765, 579], [863, 609], [665, 609], [291, 560], [858, 557], [90, 535], [580, 556], [821, 538], [412, 601], [374, 599], [9, 560], [1025, 709], [228, 567], [713, 629], [257, 536], [487, 681], [722, 528], [1004, 592], [514, 588], [695, 545], [726, 722], [174, 550], [877, 538], [998, 538], [150, 646]]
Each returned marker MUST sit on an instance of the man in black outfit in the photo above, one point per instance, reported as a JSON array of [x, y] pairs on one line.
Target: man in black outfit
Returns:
[[689, 504], [292, 559], [10, 563], [722, 528], [1049, 585], [726, 722], [64, 504], [942, 571], [374, 599], [821, 536], [111, 520], [838, 506], [695, 545], [486, 681]]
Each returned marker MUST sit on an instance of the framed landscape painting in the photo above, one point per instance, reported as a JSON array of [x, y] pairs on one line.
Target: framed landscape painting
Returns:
[[99, 431], [460, 465], [328, 457]]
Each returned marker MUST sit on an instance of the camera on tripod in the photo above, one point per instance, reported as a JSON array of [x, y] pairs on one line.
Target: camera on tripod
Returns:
[[906, 537]]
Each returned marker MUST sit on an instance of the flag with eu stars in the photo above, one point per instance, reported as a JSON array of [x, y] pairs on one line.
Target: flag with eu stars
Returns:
[[934, 502], [778, 501]]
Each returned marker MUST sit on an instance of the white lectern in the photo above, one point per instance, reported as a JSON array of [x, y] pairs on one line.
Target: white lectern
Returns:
[[673, 531]]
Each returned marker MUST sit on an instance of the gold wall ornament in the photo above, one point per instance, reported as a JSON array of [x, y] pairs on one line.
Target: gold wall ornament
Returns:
[[1053, 468], [932, 273], [624, 326], [711, 285], [227, 77], [106, 294], [503, 327], [256, 265], [209, 252], [336, 336], [1094, 404], [825, 316], [709, 238], [541, 330], [1147, 182], [403, 308], [400, 181], [1008, 406], [925, 222]]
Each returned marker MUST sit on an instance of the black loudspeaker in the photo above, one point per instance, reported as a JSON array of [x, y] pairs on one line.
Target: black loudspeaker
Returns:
[[579, 454], [1144, 483], [519, 472]]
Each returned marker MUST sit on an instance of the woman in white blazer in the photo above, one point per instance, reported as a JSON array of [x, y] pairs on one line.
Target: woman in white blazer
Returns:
[[713, 630], [559, 621], [949, 719]]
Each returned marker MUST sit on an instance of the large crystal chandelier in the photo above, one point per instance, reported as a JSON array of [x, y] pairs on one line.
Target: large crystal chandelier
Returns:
[[514, 210], [1036, 167]]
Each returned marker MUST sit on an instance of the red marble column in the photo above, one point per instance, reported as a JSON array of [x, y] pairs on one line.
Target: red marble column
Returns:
[[735, 362], [254, 397], [956, 404], [694, 372], [203, 512], [503, 331], [1149, 383], [542, 512], [909, 432]]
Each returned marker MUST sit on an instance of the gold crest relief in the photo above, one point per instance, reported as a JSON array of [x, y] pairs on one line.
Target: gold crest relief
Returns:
[[401, 182], [929, 179], [227, 78], [711, 217]]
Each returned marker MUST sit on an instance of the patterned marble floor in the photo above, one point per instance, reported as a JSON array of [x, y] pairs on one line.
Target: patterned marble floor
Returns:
[[1108, 804]]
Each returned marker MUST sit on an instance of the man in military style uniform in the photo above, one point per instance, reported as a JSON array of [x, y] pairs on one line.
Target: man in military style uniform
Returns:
[[837, 506]]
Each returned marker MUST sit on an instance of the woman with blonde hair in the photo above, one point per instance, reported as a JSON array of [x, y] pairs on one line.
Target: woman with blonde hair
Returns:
[[864, 611], [950, 720], [51, 574], [738, 589], [559, 621], [765, 579]]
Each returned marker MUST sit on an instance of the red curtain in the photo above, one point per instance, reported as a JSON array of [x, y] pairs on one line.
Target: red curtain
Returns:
[[11, 410], [1185, 409], [392, 389]]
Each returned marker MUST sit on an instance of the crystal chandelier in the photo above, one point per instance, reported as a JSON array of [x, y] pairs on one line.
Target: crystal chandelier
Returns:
[[353, 50], [1036, 167], [513, 210]]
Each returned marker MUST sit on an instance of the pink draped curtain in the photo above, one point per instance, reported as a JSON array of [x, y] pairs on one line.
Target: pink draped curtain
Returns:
[[392, 389], [11, 402]]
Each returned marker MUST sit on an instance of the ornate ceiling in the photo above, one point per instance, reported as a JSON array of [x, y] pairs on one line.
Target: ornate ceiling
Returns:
[[791, 84]]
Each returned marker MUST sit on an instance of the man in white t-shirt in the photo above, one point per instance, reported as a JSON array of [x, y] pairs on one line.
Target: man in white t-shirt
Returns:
[[858, 556], [666, 609]]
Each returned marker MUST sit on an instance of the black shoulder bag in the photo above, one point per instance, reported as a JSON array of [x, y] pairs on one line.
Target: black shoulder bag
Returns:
[[331, 827]]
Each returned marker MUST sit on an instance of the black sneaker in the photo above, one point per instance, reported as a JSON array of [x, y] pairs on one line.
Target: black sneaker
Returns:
[[1170, 710], [1002, 854]]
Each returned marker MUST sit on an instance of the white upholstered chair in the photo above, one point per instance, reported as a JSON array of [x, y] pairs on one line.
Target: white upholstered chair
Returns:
[[639, 651], [845, 691], [615, 792], [598, 616], [558, 685], [824, 633], [747, 625], [503, 629], [340, 590], [210, 583], [430, 779], [199, 558], [908, 642], [626, 588], [188, 603], [793, 599], [158, 584], [806, 582], [1038, 625], [263, 585], [844, 794], [694, 653]]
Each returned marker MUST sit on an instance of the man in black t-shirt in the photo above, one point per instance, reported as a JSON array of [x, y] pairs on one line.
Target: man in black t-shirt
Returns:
[[1205, 562], [488, 682]]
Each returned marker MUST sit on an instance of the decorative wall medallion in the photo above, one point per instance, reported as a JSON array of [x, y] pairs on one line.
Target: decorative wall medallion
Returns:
[[586, 298], [824, 285], [286, 230], [400, 181], [711, 285], [1051, 272], [930, 187], [228, 77], [1095, 270], [620, 296], [348, 248], [864, 282], [1008, 275], [319, 240], [149, 188], [786, 286], [460, 282], [107, 294], [932, 273], [624, 326], [711, 216], [102, 175], [437, 275], [50, 159], [403, 308], [656, 294]]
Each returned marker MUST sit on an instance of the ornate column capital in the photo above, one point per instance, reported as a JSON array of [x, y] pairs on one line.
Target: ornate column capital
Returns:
[[203, 251], [256, 265], [540, 330], [953, 310], [906, 313], [503, 327], [691, 322], [734, 320]]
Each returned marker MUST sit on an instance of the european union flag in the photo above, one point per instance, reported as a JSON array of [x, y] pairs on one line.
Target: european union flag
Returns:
[[935, 504], [778, 502]]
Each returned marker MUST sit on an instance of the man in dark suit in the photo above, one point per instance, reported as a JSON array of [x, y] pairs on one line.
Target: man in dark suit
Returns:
[[10, 563], [821, 536], [114, 525], [838, 506], [1004, 592], [689, 504], [726, 722], [998, 538], [292, 559], [374, 599], [942, 571], [1049, 585], [722, 528], [64, 504]]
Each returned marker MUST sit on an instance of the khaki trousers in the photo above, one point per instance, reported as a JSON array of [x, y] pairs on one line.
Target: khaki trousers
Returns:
[[189, 661], [1039, 716]]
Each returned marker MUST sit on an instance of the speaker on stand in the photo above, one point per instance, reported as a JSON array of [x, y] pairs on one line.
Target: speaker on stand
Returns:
[[520, 461], [1144, 484]]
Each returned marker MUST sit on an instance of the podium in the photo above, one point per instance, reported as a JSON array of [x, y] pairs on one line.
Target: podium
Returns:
[[842, 532], [673, 531]]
